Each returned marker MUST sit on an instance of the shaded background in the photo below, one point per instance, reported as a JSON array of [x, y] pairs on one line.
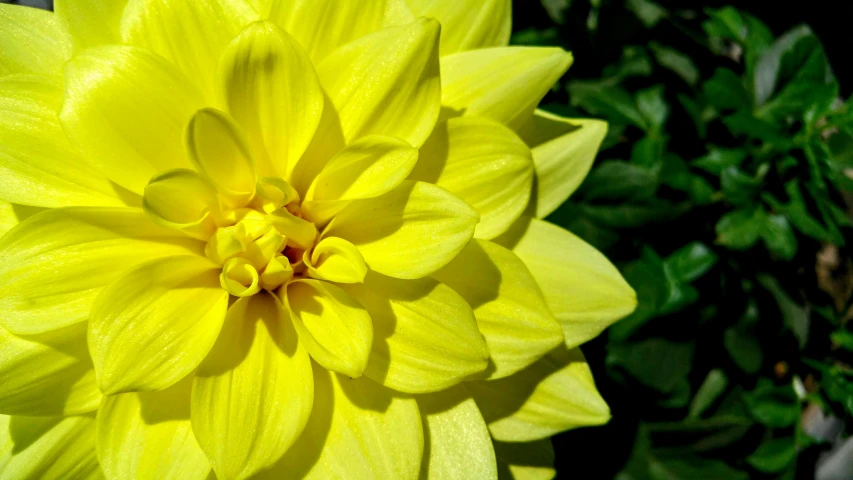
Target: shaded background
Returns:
[[741, 367], [757, 341]]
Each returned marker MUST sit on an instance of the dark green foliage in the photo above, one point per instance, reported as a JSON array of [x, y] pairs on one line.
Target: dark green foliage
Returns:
[[721, 180]]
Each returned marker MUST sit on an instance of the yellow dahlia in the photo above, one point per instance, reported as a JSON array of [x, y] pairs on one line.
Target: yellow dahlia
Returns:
[[289, 239]]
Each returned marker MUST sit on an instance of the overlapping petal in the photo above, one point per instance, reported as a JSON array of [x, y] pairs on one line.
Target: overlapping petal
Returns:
[[56, 262], [483, 163], [33, 41], [253, 393], [358, 429], [468, 24], [333, 327], [582, 288], [148, 436], [156, 324], [563, 151], [367, 168], [321, 26], [425, 335], [390, 230], [270, 88], [387, 83], [510, 310], [48, 374], [502, 83], [37, 164], [526, 460], [191, 34], [91, 22], [458, 445], [556, 393], [48, 448], [126, 108]]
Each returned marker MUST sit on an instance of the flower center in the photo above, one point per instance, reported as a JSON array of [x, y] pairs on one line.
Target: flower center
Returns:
[[261, 246]]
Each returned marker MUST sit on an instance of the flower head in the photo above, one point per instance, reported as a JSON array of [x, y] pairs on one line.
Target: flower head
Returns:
[[289, 239]]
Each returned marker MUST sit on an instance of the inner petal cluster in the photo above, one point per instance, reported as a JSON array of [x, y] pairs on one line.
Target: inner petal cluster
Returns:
[[255, 229]]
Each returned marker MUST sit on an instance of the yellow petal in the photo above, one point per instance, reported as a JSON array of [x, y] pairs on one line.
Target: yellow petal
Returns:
[[270, 88], [10, 215], [510, 310], [56, 262], [300, 233], [148, 436], [556, 393], [468, 24], [504, 84], [583, 289], [408, 232], [321, 26], [181, 199], [48, 374], [48, 448], [37, 164], [387, 83], [563, 152], [33, 41], [458, 445], [91, 22], [336, 260], [127, 108], [219, 149], [253, 393], [358, 429], [333, 327], [191, 34], [240, 278], [155, 324], [526, 461], [425, 336], [367, 168], [483, 163]]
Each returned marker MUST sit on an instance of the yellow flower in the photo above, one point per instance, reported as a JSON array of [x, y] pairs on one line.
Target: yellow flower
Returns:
[[293, 239]]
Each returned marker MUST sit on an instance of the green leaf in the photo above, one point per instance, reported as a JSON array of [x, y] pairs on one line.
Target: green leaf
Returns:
[[557, 9], [741, 341], [699, 113], [739, 188], [797, 213], [718, 159], [773, 455], [691, 262], [610, 101], [648, 152], [797, 53], [648, 12], [652, 106], [631, 215], [614, 179], [794, 316], [744, 124], [740, 229], [726, 23], [676, 62], [534, 37], [725, 91], [710, 390], [776, 407], [689, 467], [635, 62], [657, 363], [779, 238], [843, 339]]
